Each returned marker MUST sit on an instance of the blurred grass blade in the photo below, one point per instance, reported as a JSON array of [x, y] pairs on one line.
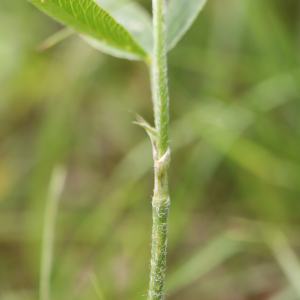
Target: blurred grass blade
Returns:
[[203, 261], [96, 286], [90, 19], [180, 16], [55, 38], [285, 294], [222, 126], [286, 258], [19, 295], [55, 190], [264, 164]]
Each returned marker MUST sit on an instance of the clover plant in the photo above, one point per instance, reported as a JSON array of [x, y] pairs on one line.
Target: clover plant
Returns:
[[124, 29]]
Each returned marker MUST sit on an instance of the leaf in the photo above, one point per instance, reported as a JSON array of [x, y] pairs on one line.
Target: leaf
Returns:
[[87, 18], [180, 16], [111, 5], [108, 49], [138, 23], [135, 19]]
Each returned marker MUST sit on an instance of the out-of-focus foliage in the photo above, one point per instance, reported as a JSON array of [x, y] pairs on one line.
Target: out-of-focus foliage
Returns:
[[235, 173]]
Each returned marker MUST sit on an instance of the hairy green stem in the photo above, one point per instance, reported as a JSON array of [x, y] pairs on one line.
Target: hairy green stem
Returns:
[[161, 199], [160, 77]]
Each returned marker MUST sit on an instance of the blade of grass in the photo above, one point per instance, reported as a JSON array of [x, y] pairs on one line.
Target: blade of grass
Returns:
[[96, 286], [55, 190], [285, 294], [285, 257], [55, 39], [203, 261]]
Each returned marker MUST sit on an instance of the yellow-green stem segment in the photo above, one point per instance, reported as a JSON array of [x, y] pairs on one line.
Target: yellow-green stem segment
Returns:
[[161, 199]]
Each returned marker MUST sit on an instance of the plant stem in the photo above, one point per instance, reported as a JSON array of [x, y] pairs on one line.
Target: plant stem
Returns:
[[161, 199]]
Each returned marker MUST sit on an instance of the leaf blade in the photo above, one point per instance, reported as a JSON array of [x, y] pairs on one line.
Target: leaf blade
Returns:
[[137, 22], [180, 16], [88, 18]]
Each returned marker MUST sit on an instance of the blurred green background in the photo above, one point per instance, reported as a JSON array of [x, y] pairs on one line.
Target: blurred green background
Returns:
[[235, 172]]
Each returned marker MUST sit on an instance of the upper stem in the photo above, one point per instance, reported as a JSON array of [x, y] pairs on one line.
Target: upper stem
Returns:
[[160, 78]]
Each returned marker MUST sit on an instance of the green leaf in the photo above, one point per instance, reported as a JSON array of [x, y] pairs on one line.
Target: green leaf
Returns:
[[135, 19], [138, 22], [111, 5], [180, 16], [108, 49], [88, 18]]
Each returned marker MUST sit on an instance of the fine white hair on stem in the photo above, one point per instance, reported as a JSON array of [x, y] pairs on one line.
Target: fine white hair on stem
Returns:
[[161, 199]]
